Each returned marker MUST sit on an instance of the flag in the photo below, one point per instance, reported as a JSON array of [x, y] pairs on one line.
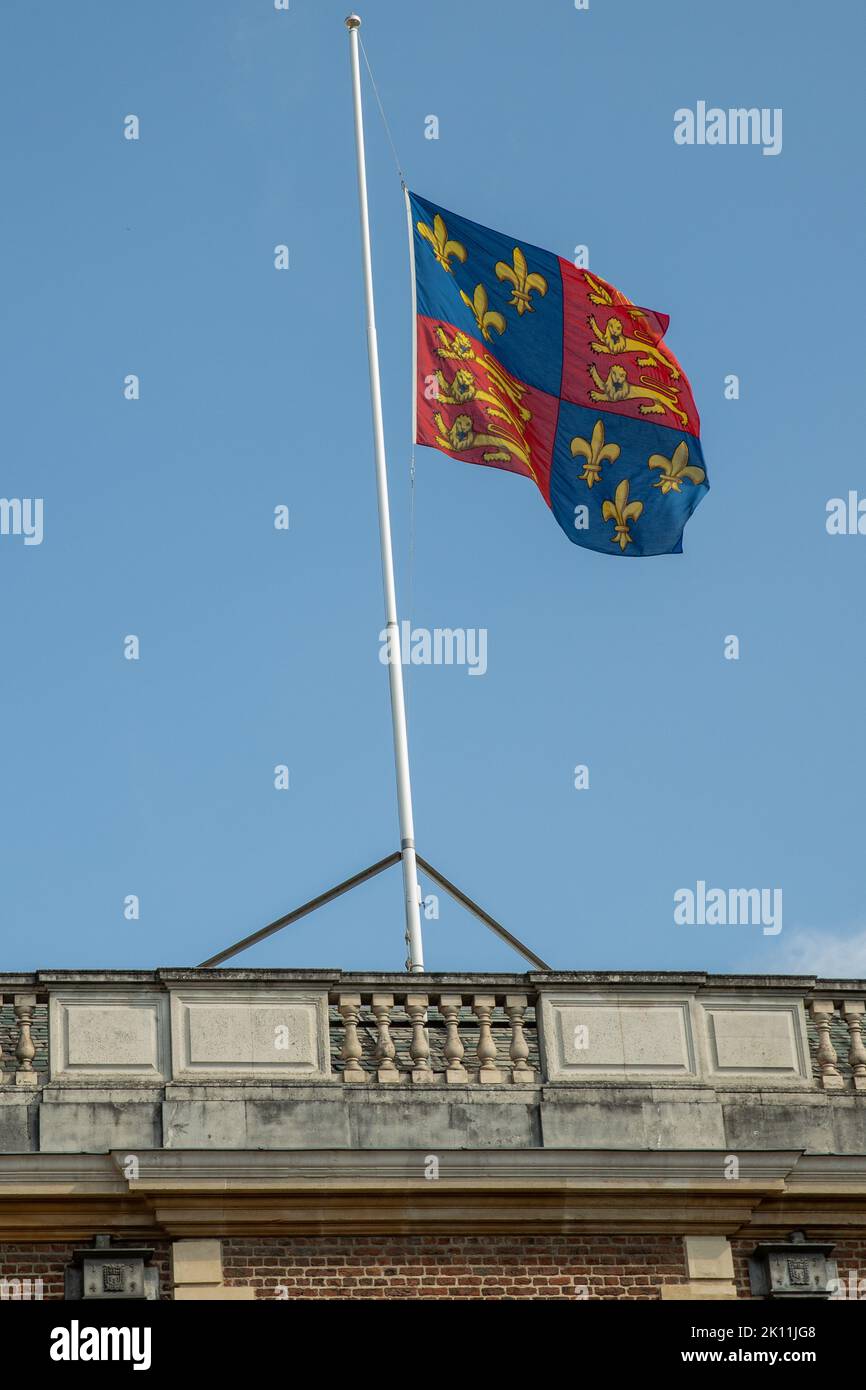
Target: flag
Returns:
[[527, 363]]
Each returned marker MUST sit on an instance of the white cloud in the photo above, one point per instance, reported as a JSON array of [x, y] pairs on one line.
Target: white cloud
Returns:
[[811, 952]]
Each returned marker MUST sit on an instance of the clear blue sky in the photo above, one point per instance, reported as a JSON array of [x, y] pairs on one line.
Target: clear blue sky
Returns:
[[260, 647]]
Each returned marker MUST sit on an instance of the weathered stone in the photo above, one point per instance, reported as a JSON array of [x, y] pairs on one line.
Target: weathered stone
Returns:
[[96, 1123], [108, 1036], [219, 1033], [196, 1262], [18, 1116]]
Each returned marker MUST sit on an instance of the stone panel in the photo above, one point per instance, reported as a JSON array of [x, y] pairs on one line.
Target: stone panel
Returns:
[[220, 1034], [593, 1036], [753, 1039], [108, 1036]]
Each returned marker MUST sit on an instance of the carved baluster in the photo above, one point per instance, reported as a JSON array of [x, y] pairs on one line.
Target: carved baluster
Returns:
[[26, 1050], [350, 1008], [515, 1007], [822, 1011], [484, 1004], [852, 1012], [449, 1007], [419, 1048], [385, 1049]]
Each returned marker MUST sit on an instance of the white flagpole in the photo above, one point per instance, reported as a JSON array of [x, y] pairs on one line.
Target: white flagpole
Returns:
[[411, 891]]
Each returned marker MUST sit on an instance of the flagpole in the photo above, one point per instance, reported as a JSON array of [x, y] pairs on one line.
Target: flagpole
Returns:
[[411, 891]]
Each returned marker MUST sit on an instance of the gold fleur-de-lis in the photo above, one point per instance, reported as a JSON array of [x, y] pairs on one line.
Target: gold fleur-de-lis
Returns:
[[443, 247], [485, 317], [676, 469], [523, 280], [595, 452], [622, 512]]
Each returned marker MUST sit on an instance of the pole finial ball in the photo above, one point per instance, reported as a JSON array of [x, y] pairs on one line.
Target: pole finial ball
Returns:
[[353, 21]]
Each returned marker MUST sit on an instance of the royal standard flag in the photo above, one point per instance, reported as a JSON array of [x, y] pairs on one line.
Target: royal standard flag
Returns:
[[527, 363]]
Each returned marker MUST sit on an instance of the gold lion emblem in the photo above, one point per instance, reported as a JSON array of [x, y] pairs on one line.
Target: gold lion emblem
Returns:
[[616, 387], [615, 342]]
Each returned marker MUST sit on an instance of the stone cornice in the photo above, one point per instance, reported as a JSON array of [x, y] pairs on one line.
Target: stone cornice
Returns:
[[182, 1193], [167, 976]]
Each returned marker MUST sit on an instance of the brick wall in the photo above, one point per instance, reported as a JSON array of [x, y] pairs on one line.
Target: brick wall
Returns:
[[32, 1260], [443, 1267], [849, 1255], [446, 1267]]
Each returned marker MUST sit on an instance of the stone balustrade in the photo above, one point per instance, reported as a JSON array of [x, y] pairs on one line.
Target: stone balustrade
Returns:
[[848, 1013], [448, 1036], [288, 1059], [17, 1046], [176, 1026], [304, 1102]]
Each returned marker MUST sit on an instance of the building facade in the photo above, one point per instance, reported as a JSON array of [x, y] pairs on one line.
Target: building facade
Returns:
[[238, 1134]]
